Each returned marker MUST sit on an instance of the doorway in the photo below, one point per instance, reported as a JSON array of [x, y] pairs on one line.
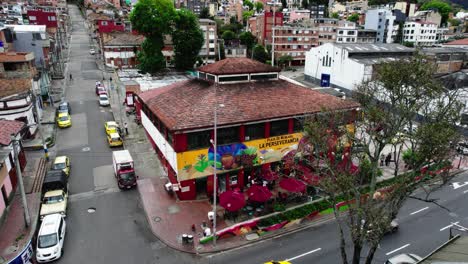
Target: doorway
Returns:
[[200, 187], [4, 195], [325, 80]]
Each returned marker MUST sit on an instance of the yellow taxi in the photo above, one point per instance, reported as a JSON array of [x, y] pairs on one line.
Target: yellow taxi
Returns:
[[64, 120], [114, 140], [111, 127], [62, 163]]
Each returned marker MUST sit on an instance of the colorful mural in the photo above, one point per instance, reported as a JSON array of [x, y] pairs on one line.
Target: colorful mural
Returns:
[[200, 163]]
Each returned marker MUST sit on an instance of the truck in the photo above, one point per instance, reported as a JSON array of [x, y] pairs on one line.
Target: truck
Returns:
[[124, 169], [55, 193]]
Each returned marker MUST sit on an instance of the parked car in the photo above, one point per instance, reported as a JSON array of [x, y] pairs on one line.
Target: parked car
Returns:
[[55, 193], [63, 108], [462, 147], [64, 120], [92, 51], [114, 140], [111, 127], [405, 258], [104, 100], [50, 238], [100, 90], [62, 163]]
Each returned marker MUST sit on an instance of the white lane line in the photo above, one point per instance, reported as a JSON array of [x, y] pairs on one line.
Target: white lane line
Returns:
[[443, 228], [400, 248], [418, 211], [307, 253], [465, 191]]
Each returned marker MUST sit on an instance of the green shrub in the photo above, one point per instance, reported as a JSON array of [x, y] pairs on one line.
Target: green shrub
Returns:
[[278, 207]]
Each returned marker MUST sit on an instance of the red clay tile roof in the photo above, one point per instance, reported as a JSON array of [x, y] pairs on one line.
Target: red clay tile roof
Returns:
[[237, 66], [189, 104], [16, 56], [8, 127], [14, 86], [458, 42], [124, 38]]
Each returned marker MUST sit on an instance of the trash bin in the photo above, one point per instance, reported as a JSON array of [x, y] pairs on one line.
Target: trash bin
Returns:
[[190, 239], [184, 238]]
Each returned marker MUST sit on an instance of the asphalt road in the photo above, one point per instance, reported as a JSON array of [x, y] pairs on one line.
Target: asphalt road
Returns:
[[117, 231], [423, 227]]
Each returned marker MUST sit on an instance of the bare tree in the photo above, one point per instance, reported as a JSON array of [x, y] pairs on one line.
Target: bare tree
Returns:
[[399, 93]]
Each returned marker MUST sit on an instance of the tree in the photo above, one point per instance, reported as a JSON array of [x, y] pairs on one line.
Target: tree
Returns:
[[153, 19], [354, 17], [258, 6], [247, 39], [204, 13], [305, 4], [285, 60], [246, 15], [260, 54], [187, 39], [228, 35], [284, 4], [388, 103], [441, 6], [454, 22], [248, 4], [335, 15]]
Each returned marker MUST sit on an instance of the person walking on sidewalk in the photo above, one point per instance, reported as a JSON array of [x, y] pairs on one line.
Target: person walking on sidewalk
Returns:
[[382, 158], [388, 159], [126, 128], [71, 77]]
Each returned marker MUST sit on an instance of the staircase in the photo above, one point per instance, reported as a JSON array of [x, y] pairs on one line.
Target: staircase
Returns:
[[41, 169]]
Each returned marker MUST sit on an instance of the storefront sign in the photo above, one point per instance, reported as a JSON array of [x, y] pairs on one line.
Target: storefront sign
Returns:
[[25, 256], [201, 163]]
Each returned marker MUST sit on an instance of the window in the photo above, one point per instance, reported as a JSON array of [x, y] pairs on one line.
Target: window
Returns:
[[340, 32], [11, 66], [51, 18], [340, 39], [227, 135], [351, 32], [32, 18], [279, 128], [298, 127], [212, 49], [255, 131], [263, 76], [198, 140], [233, 78]]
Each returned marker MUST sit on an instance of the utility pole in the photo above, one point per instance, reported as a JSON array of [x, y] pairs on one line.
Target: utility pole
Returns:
[[27, 218], [215, 145], [44, 145]]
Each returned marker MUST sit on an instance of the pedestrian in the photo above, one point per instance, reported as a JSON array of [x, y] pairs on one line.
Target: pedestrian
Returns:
[[388, 159], [71, 77], [382, 158], [126, 128]]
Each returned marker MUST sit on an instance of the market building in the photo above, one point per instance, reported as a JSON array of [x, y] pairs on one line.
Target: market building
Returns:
[[259, 120]]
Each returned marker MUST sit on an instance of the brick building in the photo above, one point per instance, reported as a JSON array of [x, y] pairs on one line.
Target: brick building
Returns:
[[261, 26], [259, 121]]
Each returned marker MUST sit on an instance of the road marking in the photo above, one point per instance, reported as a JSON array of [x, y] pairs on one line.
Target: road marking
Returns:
[[418, 211], [400, 248], [307, 253], [443, 228], [465, 191], [457, 185]]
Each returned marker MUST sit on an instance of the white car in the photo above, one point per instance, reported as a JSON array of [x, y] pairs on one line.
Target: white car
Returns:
[[92, 51], [50, 238], [405, 258], [103, 100]]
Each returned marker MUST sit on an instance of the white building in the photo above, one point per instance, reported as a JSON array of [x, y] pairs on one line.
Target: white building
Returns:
[[383, 21], [346, 33], [208, 51], [420, 33], [348, 65]]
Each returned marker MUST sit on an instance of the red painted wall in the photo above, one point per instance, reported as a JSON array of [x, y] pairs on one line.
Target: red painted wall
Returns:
[[111, 26], [191, 193], [180, 142], [42, 18], [242, 133]]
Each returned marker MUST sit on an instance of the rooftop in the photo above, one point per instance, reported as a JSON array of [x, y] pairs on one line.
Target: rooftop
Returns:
[[189, 104], [8, 127], [237, 66], [28, 28], [16, 56], [458, 42], [375, 47], [453, 251], [124, 38]]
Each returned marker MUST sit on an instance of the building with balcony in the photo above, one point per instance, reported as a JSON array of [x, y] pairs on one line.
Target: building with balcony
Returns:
[[346, 32], [209, 50], [16, 77], [420, 33], [120, 49], [295, 15], [259, 121], [295, 40], [317, 10], [347, 65], [233, 49], [261, 26], [8, 178], [382, 21], [326, 29]]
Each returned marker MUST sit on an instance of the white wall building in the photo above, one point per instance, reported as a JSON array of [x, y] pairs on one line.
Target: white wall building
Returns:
[[420, 33], [383, 21], [346, 33], [208, 51], [345, 65]]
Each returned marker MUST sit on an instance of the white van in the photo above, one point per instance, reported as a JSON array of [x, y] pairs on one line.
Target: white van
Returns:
[[50, 238]]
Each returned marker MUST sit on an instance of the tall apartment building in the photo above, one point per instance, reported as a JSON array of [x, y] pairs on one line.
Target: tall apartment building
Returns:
[[208, 52], [326, 29], [261, 26], [346, 32], [295, 40], [383, 21], [420, 33]]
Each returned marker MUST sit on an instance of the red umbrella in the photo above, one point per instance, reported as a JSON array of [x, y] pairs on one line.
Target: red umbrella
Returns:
[[292, 185], [258, 193], [231, 200], [310, 178]]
